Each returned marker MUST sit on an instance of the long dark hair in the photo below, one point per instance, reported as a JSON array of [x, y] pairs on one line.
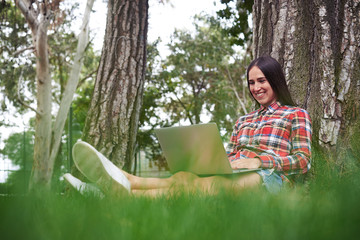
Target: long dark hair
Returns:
[[274, 74]]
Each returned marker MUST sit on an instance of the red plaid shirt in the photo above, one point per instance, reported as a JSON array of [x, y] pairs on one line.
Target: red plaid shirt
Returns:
[[280, 136]]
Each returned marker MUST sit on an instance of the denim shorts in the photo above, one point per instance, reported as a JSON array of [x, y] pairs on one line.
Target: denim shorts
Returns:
[[271, 180]]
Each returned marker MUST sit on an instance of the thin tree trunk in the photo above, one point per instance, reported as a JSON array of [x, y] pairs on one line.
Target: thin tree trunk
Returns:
[[112, 121], [70, 88], [43, 117], [42, 142], [317, 42], [38, 20]]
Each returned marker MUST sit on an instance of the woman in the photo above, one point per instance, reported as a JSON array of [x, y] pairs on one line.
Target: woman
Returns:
[[276, 138]]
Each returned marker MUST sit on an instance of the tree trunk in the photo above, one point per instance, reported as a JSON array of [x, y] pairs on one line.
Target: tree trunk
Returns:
[[112, 121], [38, 26], [47, 141], [70, 88], [43, 116], [317, 42]]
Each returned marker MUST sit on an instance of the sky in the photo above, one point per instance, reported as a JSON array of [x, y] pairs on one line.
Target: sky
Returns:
[[163, 20]]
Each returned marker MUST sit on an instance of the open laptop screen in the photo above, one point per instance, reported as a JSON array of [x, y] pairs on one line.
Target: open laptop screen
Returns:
[[196, 148]]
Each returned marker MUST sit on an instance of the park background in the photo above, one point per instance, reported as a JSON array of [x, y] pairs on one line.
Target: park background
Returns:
[[115, 98], [178, 16]]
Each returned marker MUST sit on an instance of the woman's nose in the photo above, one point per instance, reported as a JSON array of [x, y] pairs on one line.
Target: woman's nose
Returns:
[[256, 86]]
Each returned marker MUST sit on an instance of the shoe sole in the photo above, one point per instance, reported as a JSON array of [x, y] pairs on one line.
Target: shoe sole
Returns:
[[91, 164]]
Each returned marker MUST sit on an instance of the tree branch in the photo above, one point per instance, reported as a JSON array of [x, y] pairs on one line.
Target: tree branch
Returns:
[[23, 50], [234, 89], [29, 13], [183, 105], [86, 77]]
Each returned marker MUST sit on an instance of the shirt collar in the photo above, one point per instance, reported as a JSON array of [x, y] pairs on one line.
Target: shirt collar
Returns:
[[271, 108]]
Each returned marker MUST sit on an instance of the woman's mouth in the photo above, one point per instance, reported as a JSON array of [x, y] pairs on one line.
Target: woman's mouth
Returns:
[[259, 95]]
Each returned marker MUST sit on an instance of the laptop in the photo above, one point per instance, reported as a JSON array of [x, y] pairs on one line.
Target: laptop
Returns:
[[195, 148]]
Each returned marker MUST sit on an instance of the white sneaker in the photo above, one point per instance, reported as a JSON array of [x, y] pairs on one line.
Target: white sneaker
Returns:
[[98, 169], [82, 187]]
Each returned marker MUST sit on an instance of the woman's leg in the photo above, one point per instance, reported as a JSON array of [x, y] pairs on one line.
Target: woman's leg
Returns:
[[111, 179], [145, 183], [233, 183], [151, 192], [188, 182]]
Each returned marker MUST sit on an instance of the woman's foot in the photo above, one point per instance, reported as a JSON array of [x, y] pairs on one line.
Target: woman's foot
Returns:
[[99, 170], [82, 187]]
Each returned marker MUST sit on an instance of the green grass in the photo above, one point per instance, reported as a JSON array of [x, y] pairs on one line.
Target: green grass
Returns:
[[328, 207], [293, 214]]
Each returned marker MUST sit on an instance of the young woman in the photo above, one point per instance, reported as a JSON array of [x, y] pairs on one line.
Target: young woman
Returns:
[[276, 138]]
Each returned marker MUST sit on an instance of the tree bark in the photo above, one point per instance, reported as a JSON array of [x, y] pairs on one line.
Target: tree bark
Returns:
[[317, 43], [112, 121], [70, 88], [38, 26], [47, 139]]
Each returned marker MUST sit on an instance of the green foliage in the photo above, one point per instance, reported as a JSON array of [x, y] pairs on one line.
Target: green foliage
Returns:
[[193, 79], [195, 71], [62, 42], [149, 115], [82, 100], [18, 62], [236, 19], [14, 62], [197, 79], [19, 149]]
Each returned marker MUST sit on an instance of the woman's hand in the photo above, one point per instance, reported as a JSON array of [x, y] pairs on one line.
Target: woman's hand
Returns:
[[246, 163]]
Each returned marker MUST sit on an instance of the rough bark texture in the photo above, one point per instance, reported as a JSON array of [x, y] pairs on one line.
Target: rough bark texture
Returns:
[[317, 42], [112, 120]]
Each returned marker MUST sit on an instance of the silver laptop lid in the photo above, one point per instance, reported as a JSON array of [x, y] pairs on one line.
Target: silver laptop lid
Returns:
[[196, 148]]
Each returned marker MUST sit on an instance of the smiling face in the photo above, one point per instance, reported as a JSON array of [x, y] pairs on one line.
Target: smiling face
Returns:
[[260, 87]]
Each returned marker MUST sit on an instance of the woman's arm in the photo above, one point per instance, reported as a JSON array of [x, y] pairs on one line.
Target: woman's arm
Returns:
[[246, 163], [231, 149], [233, 152], [299, 159]]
